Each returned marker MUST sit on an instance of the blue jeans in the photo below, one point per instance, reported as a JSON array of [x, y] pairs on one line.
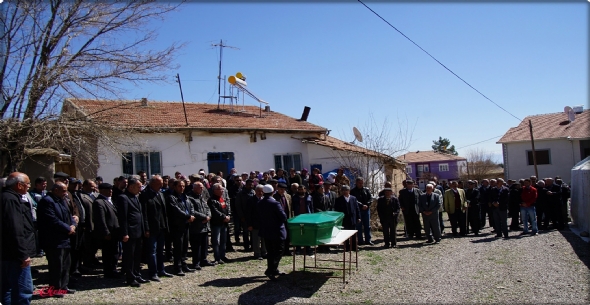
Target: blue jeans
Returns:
[[17, 283], [366, 225], [155, 250], [218, 240], [525, 214]]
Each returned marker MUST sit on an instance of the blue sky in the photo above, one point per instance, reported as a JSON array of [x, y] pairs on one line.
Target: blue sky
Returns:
[[347, 64]]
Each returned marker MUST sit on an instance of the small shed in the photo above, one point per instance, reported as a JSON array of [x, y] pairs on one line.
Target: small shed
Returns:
[[580, 198]]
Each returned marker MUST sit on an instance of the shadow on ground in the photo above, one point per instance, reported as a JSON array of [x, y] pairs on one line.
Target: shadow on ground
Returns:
[[297, 284], [581, 248]]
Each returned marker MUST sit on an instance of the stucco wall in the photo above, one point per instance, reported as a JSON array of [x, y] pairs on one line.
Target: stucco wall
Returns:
[[563, 158]]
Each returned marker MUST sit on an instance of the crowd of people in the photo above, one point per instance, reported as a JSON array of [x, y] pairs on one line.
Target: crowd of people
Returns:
[[149, 221]]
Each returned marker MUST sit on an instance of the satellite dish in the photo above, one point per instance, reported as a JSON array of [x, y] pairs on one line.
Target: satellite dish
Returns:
[[357, 135]]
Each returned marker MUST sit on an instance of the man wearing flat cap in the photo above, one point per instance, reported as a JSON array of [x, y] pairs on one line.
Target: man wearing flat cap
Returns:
[[388, 209], [106, 229], [429, 203], [285, 200], [272, 229], [409, 198]]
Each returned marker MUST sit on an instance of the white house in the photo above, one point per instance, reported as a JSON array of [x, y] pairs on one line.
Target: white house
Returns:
[[166, 137], [559, 145]]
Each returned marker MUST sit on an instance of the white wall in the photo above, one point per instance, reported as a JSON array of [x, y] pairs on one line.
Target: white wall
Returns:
[[188, 158], [562, 159]]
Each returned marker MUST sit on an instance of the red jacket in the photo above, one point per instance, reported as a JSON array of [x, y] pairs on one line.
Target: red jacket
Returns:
[[528, 196]]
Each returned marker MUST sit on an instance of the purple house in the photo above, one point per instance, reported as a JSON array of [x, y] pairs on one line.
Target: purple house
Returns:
[[424, 166]]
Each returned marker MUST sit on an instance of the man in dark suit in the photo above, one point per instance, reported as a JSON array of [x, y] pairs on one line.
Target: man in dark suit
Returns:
[[285, 200], [499, 197], [348, 205], [199, 229], [272, 229], [180, 216], [106, 229], [131, 223], [18, 241], [428, 204], [388, 209], [86, 197], [472, 196], [409, 198], [155, 222], [330, 196], [56, 225]]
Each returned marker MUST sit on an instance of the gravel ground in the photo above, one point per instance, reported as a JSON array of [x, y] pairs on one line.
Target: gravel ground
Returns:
[[553, 267]]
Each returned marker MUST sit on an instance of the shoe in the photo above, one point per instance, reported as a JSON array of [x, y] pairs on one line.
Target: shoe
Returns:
[[394, 246], [134, 284], [311, 256], [370, 243], [437, 242], [386, 246], [272, 277], [523, 233], [220, 262], [165, 274], [280, 273], [196, 267], [429, 241], [155, 278], [207, 263], [259, 258], [187, 269], [476, 234], [69, 291], [179, 273], [534, 234], [141, 280]]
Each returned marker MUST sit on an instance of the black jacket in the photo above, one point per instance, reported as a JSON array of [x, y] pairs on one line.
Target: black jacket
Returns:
[[155, 215], [18, 232], [388, 211], [319, 203], [472, 195], [252, 215], [179, 211], [500, 195], [130, 215], [239, 207], [362, 195], [273, 226], [351, 210], [201, 212], [104, 215], [409, 200], [218, 212], [54, 221]]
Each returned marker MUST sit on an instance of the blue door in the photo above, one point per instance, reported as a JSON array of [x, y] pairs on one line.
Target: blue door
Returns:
[[220, 161]]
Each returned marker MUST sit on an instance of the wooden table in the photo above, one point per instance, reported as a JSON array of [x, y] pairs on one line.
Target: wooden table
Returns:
[[340, 239]]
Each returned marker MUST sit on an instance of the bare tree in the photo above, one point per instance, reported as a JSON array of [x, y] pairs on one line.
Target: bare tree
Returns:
[[57, 49], [480, 165], [373, 159]]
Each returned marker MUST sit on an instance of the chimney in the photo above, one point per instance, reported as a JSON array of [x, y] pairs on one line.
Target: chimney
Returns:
[[266, 108], [305, 113], [144, 101]]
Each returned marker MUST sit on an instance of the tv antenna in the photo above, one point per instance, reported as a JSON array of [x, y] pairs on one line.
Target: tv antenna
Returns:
[[221, 46], [571, 114], [357, 135]]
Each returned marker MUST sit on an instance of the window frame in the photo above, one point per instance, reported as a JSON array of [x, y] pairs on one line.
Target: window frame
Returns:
[[293, 162], [529, 156], [442, 166], [133, 155], [408, 169]]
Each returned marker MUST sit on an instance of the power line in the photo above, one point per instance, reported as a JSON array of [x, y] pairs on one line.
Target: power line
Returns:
[[512, 131], [408, 38]]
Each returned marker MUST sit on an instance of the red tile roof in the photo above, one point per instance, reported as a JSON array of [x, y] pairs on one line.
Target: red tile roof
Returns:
[[550, 126], [338, 144], [157, 115], [428, 156]]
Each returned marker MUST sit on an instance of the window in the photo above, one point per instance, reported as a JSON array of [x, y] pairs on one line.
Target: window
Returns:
[[149, 162], [420, 168], [287, 161], [542, 156], [443, 167], [426, 168], [409, 169]]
